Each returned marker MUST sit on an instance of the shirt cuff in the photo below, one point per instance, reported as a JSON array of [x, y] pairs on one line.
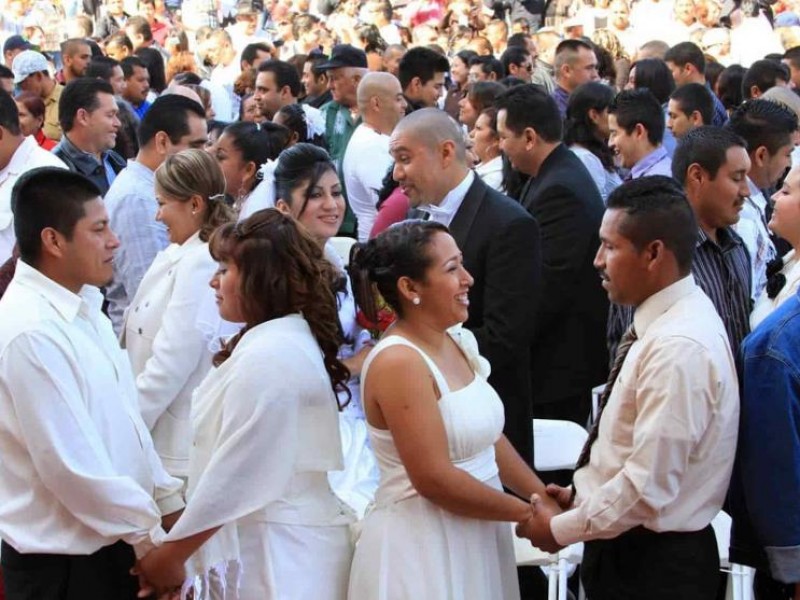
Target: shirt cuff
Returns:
[[172, 503], [784, 563], [154, 539], [567, 528]]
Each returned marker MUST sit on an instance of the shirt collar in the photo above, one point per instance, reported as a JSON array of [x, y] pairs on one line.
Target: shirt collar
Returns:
[[660, 302], [447, 208], [756, 195], [86, 162], [726, 237], [648, 162], [19, 160], [67, 304]]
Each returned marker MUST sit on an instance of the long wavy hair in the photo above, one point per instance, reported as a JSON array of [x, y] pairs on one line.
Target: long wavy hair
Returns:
[[283, 272]]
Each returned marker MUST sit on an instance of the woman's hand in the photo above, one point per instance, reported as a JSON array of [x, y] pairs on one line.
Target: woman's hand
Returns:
[[562, 495], [355, 363]]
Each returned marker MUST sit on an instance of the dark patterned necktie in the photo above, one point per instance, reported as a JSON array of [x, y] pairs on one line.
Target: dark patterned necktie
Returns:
[[622, 351]]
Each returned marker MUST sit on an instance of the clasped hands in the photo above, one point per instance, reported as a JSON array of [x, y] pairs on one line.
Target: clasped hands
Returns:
[[537, 527], [161, 575]]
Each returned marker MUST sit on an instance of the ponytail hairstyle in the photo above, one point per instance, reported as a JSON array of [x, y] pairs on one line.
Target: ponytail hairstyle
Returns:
[[283, 272], [294, 117], [258, 143], [400, 251], [196, 173]]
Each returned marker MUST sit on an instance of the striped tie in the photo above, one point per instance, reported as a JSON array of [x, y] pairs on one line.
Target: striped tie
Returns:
[[622, 351]]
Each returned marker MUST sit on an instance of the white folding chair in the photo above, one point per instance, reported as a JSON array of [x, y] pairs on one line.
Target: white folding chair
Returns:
[[557, 445], [342, 246], [740, 577]]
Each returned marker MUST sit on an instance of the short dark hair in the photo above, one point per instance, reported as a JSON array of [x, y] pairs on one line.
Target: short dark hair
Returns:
[[482, 94], [423, 63], [567, 52], [169, 114], [515, 55], [102, 67], [489, 64], [284, 74], [250, 52], [129, 64], [640, 106], [695, 97], [120, 39], [763, 123], [71, 46], [763, 74], [9, 113], [140, 26], [686, 53], [6, 73], [729, 86], [656, 208], [80, 93], [654, 74], [518, 40], [793, 56], [48, 197], [530, 106], [708, 147]]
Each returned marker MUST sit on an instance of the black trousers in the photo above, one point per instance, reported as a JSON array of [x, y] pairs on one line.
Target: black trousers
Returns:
[[767, 588], [103, 575], [643, 565]]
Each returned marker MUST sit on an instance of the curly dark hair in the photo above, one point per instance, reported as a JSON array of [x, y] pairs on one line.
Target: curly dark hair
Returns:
[[283, 272]]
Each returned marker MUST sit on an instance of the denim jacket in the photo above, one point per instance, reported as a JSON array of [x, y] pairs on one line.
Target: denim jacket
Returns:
[[765, 487]]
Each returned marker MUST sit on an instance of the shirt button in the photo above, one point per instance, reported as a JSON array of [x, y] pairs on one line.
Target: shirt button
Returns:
[[140, 331]]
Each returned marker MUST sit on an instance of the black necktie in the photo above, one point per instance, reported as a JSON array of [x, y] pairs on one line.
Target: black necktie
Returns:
[[622, 351]]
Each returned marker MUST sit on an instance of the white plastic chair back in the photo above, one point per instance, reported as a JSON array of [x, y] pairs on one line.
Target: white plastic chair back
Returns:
[[557, 444]]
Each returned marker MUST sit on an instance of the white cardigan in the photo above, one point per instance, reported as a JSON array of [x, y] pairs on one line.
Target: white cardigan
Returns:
[[168, 353]]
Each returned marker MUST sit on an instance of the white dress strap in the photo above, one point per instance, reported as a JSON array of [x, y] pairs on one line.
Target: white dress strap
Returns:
[[398, 340]]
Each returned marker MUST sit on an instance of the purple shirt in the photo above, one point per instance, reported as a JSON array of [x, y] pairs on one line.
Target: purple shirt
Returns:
[[561, 96], [657, 162]]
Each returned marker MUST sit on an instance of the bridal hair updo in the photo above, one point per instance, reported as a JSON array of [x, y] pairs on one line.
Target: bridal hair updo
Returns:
[[400, 251]]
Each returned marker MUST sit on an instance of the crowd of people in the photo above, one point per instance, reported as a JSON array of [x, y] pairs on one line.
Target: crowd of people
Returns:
[[284, 285]]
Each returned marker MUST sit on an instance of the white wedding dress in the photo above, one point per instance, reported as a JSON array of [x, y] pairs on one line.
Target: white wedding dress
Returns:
[[410, 547]]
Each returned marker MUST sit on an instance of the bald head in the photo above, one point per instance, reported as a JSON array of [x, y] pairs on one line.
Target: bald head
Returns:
[[432, 127], [374, 84], [182, 90]]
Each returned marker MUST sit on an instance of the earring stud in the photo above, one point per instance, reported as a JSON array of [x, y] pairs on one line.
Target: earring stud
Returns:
[[416, 301]]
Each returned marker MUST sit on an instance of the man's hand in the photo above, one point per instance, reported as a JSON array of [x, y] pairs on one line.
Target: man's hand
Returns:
[[537, 527], [160, 572], [168, 521], [562, 495]]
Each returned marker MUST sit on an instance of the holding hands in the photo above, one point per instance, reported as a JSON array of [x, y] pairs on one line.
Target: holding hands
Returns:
[[161, 573], [537, 527]]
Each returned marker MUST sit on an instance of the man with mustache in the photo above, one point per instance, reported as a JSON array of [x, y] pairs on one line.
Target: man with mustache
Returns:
[[712, 164]]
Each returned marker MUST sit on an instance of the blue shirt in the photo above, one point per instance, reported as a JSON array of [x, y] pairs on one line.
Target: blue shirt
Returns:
[[132, 208], [720, 114], [765, 486], [142, 109], [657, 162]]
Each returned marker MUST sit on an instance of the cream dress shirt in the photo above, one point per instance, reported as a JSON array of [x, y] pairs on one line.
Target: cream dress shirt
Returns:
[[78, 469], [667, 439]]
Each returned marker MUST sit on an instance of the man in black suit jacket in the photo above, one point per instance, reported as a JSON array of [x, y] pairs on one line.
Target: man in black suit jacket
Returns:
[[569, 354], [500, 244]]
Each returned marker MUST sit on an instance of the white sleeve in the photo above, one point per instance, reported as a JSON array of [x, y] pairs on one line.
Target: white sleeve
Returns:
[[65, 447], [178, 345]]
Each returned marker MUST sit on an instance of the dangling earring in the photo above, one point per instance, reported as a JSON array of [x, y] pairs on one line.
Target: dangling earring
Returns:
[[415, 301]]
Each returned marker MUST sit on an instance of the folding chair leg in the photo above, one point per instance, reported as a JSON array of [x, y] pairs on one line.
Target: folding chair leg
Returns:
[[562, 579], [552, 583]]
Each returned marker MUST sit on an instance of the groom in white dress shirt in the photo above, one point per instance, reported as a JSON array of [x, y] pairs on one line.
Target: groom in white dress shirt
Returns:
[[82, 491]]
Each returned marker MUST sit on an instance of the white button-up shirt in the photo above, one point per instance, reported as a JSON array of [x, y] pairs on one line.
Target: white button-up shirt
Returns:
[[667, 439], [29, 155], [446, 210], [78, 468]]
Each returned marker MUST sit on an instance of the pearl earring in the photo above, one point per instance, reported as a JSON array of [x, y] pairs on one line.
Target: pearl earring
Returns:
[[416, 301]]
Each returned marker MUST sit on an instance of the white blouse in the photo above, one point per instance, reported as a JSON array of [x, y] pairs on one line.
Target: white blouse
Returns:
[[492, 173], [168, 352], [765, 305], [265, 427]]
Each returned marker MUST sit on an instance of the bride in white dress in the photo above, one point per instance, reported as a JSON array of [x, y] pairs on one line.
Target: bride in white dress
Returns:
[[440, 526], [261, 522]]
